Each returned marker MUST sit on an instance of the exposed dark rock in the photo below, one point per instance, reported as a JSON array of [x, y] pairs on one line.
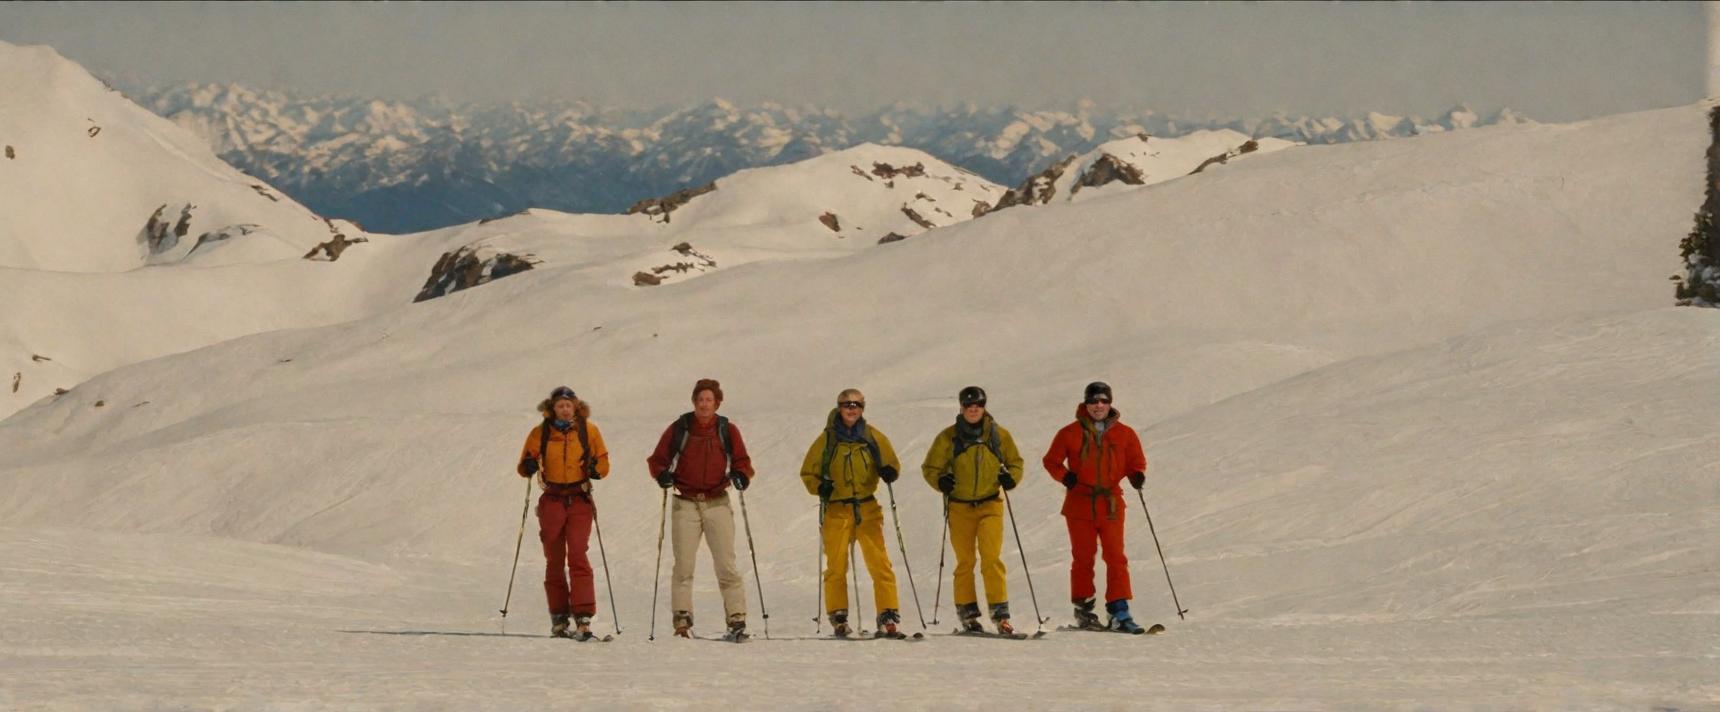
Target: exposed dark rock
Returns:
[[157, 234], [914, 216], [1222, 158], [830, 221], [885, 170], [16, 379], [38, 358], [1037, 189], [101, 403], [463, 269], [1108, 169], [264, 191], [701, 262], [655, 207], [980, 208], [226, 233], [646, 279], [60, 391], [10, 153], [332, 248], [181, 228], [892, 237], [860, 173]]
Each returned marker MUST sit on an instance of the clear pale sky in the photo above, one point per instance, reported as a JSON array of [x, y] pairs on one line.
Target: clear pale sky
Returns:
[[1550, 60]]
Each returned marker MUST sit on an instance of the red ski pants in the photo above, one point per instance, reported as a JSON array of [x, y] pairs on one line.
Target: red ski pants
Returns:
[[1085, 538], [564, 527]]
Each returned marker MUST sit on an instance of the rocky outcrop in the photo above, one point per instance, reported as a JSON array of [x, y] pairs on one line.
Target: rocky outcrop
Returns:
[[1247, 147], [469, 267], [887, 171], [1108, 169], [696, 261], [1700, 284], [892, 237], [915, 216], [161, 234], [1037, 189], [10, 153], [662, 207], [830, 221], [331, 250]]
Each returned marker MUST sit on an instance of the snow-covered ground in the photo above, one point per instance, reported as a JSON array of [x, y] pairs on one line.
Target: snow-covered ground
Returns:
[[1423, 436]]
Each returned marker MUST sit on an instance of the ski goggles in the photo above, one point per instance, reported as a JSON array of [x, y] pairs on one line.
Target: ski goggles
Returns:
[[857, 405], [561, 392]]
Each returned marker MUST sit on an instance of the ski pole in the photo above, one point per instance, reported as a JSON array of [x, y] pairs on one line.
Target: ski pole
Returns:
[[604, 556], [518, 541], [753, 551], [938, 596], [1024, 569], [1180, 609], [902, 547], [818, 613], [657, 573]]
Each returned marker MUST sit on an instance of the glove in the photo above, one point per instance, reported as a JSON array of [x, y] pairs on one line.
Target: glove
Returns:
[[946, 483], [825, 489], [1005, 481], [888, 474], [1069, 479], [1137, 479], [665, 479], [740, 480], [528, 467]]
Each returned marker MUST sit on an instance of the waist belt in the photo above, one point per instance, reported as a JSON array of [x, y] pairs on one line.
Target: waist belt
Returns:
[[856, 500], [568, 490], [702, 496], [975, 502]]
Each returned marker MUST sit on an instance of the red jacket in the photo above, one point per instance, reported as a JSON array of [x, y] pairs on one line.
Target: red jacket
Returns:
[[1100, 464], [701, 470]]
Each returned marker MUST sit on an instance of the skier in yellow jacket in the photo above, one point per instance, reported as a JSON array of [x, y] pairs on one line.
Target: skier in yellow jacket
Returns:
[[971, 463], [843, 467]]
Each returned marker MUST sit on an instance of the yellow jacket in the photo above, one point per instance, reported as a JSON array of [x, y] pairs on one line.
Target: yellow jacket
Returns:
[[854, 467], [976, 467]]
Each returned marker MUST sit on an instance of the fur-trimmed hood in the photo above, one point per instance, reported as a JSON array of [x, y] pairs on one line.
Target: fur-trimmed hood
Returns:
[[581, 409]]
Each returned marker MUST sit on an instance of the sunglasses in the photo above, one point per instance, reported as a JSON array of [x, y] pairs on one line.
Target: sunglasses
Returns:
[[857, 405], [1096, 401]]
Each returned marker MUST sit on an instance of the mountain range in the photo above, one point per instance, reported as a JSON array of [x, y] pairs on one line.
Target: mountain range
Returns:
[[405, 166]]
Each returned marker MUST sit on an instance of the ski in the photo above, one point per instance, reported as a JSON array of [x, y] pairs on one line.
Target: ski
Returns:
[[989, 634], [881, 635], [587, 638], [1153, 629]]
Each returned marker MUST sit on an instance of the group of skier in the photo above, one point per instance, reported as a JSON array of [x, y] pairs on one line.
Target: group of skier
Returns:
[[972, 464]]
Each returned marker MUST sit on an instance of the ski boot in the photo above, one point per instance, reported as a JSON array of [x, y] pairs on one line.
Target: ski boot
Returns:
[[582, 628], [839, 623], [1121, 621], [558, 626], [888, 622], [1084, 615], [1000, 617], [684, 624], [737, 632], [969, 613]]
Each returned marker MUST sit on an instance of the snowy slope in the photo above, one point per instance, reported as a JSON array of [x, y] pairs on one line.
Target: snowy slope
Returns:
[[67, 209], [1516, 518]]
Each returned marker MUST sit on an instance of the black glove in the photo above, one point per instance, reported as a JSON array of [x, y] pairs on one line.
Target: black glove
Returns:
[[887, 474], [740, 480], [1005, 481], [665, 479], [528, 467], [1069, 479], [1137, 479], [825, 489], [946, 483]]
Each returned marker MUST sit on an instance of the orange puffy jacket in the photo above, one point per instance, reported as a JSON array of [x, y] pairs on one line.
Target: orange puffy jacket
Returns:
[[561, 462], [1100, 464]]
